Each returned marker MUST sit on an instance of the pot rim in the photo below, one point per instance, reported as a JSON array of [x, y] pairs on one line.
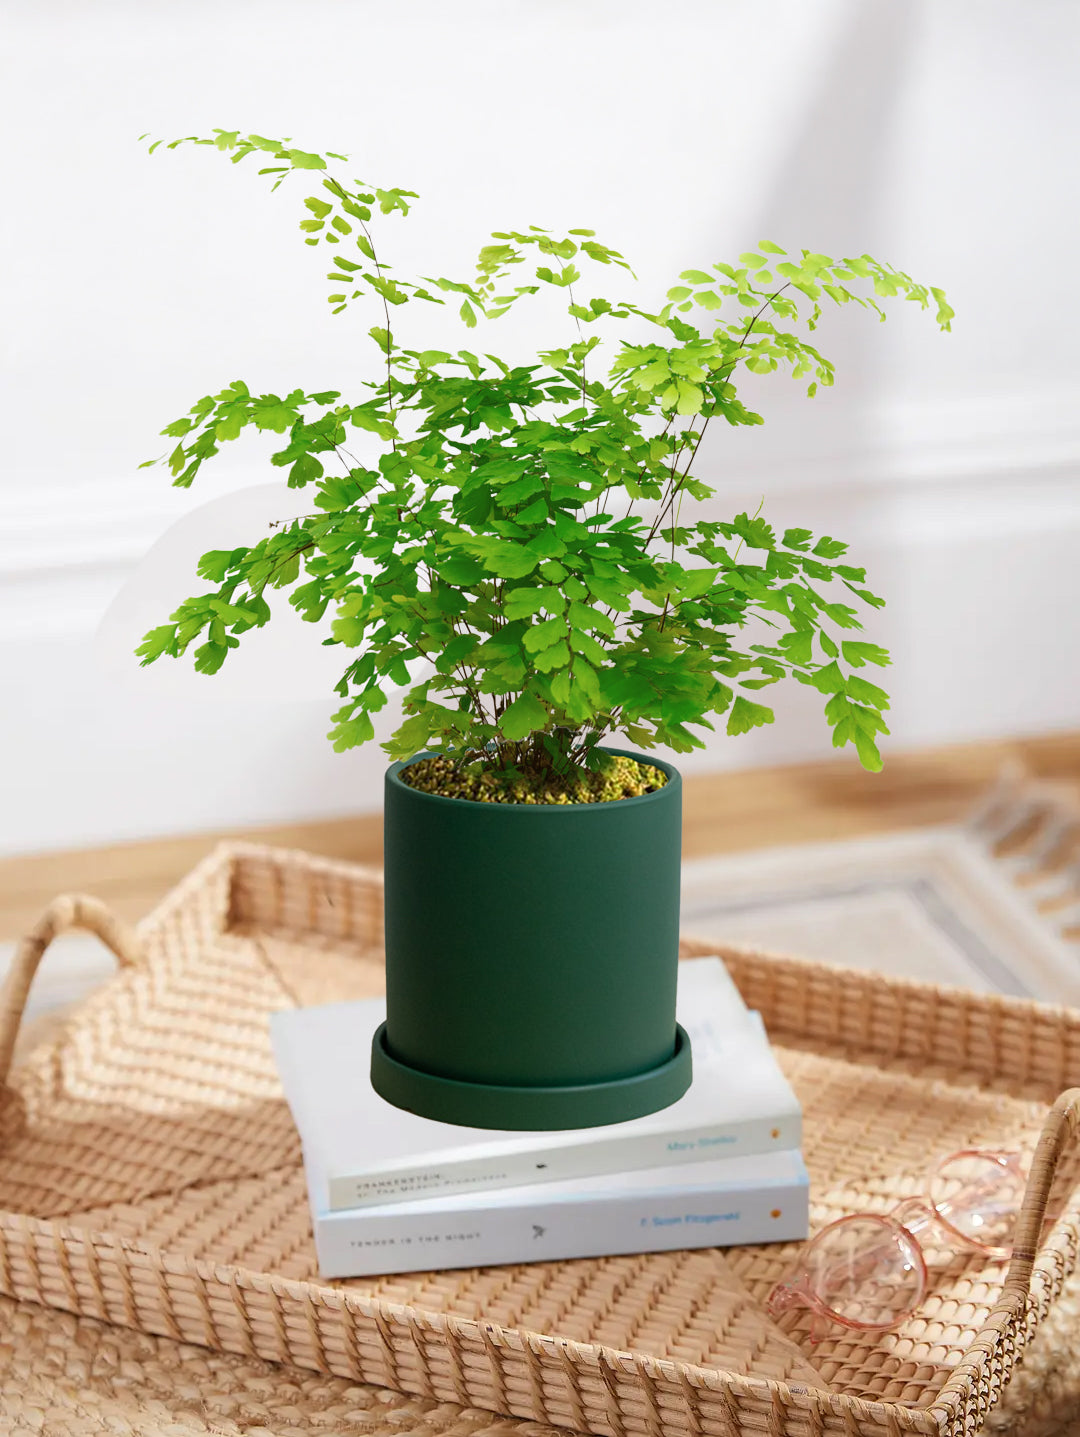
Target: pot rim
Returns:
[[673, 784]]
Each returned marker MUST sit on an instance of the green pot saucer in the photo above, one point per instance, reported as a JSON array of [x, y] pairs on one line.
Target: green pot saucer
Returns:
[[532, 1109]]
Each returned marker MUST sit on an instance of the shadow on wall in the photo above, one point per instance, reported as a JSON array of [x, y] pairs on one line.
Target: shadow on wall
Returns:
[[827, 193]]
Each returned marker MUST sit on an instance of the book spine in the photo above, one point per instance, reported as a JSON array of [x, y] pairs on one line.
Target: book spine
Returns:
[[380, 1242], [443, 1178]]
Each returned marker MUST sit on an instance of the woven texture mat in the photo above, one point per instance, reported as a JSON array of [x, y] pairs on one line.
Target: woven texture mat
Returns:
[[156, 1118]]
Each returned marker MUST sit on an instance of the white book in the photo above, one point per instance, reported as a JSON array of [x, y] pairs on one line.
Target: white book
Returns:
[[719, 1203], [366, 1152]]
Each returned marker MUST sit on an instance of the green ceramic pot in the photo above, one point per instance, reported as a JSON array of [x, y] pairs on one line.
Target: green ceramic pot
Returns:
[[531, 958]]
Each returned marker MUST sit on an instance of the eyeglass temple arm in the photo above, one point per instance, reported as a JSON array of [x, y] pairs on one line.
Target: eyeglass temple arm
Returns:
[[1061, 1127]]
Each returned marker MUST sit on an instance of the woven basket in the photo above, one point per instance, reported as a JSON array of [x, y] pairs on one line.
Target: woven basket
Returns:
[[151, 1177]]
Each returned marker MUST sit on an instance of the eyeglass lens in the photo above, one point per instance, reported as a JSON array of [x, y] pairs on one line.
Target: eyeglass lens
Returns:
[[867, 1271], [979, 1197]]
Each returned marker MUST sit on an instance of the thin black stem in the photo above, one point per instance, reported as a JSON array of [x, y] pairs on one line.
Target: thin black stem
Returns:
[[734, 359], [386, 311]]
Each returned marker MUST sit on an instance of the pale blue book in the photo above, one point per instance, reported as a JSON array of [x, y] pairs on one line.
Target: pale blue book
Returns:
[[362, 1152], [717, 1203]]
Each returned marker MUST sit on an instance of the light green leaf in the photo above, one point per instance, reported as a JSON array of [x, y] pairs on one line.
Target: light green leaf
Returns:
[[557, 657], [745, 716], [866, 692], [525, 715], [799, 646], [157, 642], [232, 613], [522, 603], [587, 680], [560, 687], [586, 645], [349, 630], [306, 469], [510, 561], [697, 582], [351, 732], [828, 680], [536, 513], [857, 654], [217, 563], [230, 425], [210, 657], [301, 160], [541, 636], [516, 493], [584, 617], [867, 749], [690, 397]]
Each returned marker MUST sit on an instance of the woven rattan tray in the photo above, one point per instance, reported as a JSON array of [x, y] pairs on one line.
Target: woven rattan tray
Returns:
[[150, 1175]]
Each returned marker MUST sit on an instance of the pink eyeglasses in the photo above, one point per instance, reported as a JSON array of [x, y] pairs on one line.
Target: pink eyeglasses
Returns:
[[869, 1272]]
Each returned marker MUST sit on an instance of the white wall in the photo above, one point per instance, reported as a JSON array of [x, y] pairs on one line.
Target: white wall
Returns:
[[938, 134]]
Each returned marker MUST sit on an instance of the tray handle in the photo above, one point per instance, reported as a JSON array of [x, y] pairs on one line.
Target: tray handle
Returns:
[[72, 910], [1059, 1129]]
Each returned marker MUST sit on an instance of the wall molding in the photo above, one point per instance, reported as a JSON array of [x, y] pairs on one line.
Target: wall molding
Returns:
[[65, 550], [983, 464], [101, 522], [835, 445]]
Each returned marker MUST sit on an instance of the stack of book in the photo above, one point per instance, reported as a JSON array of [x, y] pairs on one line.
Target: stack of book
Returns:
[[392, 1192]]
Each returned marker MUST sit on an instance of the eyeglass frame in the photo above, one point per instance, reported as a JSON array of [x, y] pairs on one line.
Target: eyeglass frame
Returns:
[[797, 1290]]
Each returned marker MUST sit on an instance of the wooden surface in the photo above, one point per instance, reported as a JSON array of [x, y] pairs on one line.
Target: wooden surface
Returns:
[[725, 812]]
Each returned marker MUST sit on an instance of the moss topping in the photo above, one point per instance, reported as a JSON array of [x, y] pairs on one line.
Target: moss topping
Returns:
[[620, 778]]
